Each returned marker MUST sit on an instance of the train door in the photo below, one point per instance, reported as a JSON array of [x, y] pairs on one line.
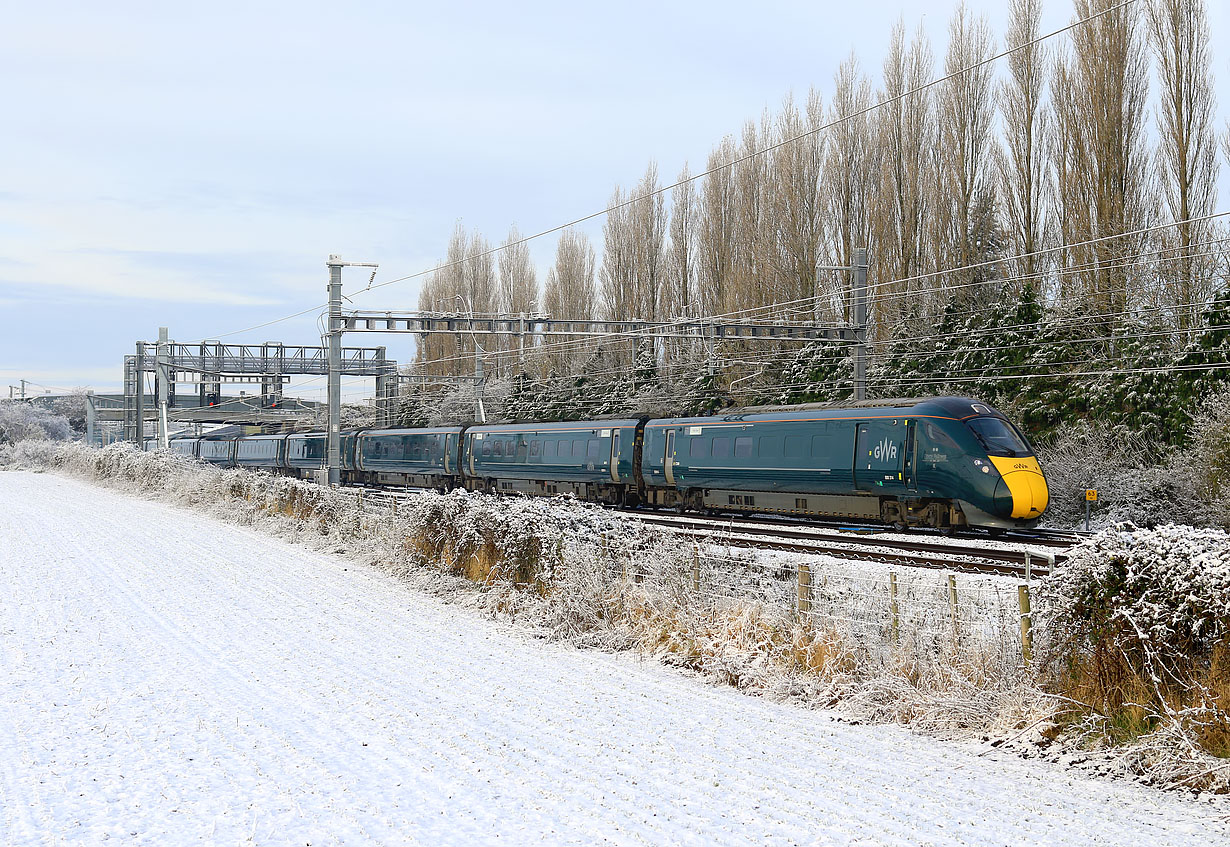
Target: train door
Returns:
[[911, 452], [879, 456], [668, 457], [615, 455]]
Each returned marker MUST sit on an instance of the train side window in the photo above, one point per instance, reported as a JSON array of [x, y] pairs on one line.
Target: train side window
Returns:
[[593, 449], [767, 447], [721, 447], [486, 449], [820, 445], [578, 448], [535, 449], [938, 437], [743, 446], [796, 446], [698, 447], [548, 449], [565, 449]]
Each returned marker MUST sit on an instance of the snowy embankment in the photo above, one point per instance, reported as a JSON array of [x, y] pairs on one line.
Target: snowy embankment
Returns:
[[170, 678]]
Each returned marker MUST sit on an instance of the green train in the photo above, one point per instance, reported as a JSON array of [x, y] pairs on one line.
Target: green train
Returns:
[[946, 462]]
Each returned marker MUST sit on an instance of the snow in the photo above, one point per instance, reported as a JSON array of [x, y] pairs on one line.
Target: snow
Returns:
[[169, 678]]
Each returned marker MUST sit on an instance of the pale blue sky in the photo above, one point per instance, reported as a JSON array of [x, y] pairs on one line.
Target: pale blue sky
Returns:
[[193, 167]]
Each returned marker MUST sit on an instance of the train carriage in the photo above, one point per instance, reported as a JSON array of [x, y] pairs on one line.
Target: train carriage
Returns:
[[184, 446], [427, 458], [306, 452], [217, 451], [941, 462], [261, 451], [594, 460]]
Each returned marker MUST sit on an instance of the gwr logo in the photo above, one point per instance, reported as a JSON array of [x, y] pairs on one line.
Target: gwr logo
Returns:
[[886, 451]]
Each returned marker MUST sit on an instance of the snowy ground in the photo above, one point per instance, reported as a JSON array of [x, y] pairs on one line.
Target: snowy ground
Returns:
[[170, 679]]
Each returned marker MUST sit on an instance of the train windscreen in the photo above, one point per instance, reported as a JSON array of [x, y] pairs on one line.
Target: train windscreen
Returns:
[[998, 437]]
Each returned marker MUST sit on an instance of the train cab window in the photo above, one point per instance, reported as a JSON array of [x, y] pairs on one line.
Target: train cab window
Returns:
[[535, 449], [593, 449], [796, 446], [767, 447], [548, 449], [998, 437], [743, 447], [698, 447], [721, 447]]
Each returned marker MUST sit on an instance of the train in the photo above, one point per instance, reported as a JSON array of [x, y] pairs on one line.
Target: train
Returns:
[[942, 462]]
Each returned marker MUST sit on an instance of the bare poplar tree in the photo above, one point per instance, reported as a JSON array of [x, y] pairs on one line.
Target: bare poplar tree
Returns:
[[750, 281], [715, 233], [1187, 147], [1102, 162], [680, 290], [846, 181], [518, 282], [964, 189], [795, 200], [569, 293], [617, 275], [518, 291], [647, 220], [1023, 174], [905, 140]]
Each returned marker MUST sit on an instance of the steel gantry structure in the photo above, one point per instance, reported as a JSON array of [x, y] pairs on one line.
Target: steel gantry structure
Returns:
[[210, 364]]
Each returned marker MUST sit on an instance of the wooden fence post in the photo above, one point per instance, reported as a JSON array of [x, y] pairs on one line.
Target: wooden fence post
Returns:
[[696, 568], [1027, 638], [892, 605], [952, 601], [804, 589]]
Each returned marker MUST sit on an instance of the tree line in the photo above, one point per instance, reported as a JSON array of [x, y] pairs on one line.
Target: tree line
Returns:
[[1057, 205]]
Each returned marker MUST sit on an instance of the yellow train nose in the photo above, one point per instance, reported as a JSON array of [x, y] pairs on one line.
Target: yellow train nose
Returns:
[[1026, 484]]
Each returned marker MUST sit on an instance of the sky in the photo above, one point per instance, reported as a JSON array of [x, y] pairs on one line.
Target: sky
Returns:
[[193, 166]]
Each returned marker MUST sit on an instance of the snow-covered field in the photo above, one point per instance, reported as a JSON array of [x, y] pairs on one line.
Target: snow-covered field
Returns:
[[170, 679]]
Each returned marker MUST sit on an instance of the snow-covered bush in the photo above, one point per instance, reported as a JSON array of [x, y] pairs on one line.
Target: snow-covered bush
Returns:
[[1140, 623], [1206, 460], [1134, 482], [26, 422]]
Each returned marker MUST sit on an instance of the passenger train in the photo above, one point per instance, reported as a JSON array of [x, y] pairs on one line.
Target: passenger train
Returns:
[[946, 462]]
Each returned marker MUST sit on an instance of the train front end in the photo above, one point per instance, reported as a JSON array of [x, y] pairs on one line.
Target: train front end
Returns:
[[1019, 495]]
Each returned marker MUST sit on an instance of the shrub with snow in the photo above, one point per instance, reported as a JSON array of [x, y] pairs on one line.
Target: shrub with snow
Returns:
[[27, 422], [1140, 624]]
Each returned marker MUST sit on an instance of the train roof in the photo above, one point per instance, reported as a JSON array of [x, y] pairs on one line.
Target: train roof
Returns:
[[956, 408], [555, 426]]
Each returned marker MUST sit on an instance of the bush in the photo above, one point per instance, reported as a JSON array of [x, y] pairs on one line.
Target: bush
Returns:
[[1144, 621], [26, 422]]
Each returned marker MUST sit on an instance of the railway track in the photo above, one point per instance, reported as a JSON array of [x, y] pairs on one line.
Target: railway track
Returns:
[[925, 552]]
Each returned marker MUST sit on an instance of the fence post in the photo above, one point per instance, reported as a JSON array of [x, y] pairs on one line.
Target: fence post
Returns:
[[804, 589], [1029, 572], [892, 605], [1027, 638], [360, 499], [696, 568], [952, 601]]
